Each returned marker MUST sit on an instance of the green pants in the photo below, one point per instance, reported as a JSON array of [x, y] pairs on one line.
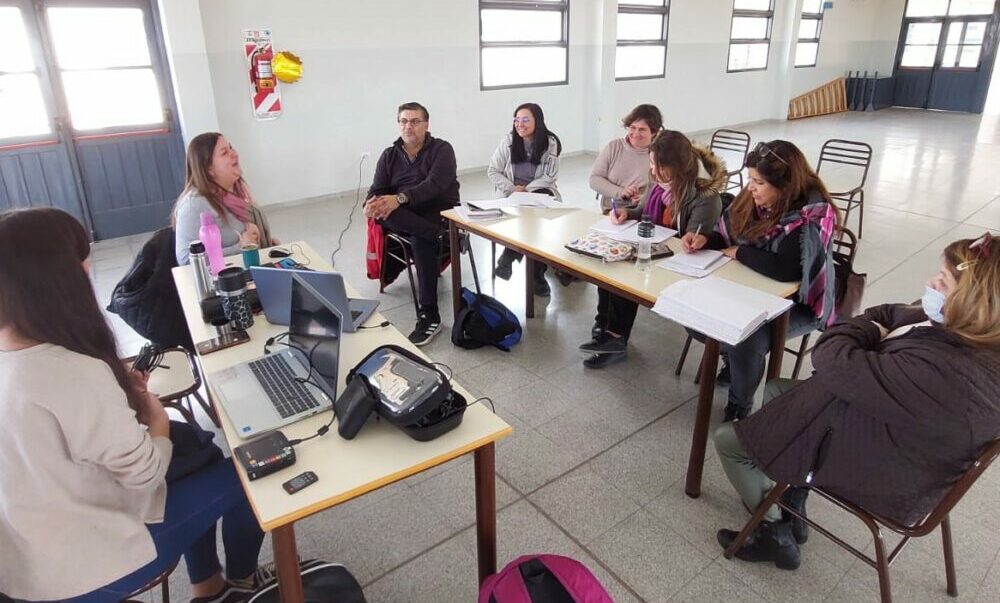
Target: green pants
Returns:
[[749, 481]]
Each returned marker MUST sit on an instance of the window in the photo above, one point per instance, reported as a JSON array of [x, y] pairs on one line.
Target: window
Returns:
[[108, 80], [642, 39], [810, 25], [523, 43], [22, 109], [750, 36], [953, 30]]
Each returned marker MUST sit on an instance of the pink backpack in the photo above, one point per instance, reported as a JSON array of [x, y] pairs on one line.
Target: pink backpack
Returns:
[[543, 579]]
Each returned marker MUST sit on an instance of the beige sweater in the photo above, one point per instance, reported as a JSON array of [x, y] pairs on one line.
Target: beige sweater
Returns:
[[619, 165], [79, 476]]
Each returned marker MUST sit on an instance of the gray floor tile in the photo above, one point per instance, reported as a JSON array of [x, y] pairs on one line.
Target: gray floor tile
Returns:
[[451, 496], [584, 504], [523, 530], [445, 573], [653, 559], [715, 584]]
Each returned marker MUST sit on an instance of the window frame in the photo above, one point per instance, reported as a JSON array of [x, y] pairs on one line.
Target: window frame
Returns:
[[818, 17], [946, 20], [38, 69], [756, 14], [641, 9], [561, 6]]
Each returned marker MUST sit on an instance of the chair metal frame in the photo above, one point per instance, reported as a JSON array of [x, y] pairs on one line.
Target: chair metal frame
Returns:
[[852, 153], [736, 141], [175, 400], [163, 581], [407, 259], [845, 248], [937, 517]]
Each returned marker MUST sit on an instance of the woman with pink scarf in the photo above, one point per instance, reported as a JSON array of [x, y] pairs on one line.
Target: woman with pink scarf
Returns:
[[214, 183]]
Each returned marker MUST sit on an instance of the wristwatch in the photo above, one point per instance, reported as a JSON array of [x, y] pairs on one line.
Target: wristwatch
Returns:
[[402, 199]]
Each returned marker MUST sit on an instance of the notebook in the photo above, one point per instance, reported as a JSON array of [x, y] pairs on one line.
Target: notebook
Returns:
[[628, 231], [721, 309], [697, 265]]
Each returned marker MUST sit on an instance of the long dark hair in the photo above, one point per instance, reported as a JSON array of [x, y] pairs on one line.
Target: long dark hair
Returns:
[[200, 152], [672, 150], [540, 138], [785, 167], [46, 294]]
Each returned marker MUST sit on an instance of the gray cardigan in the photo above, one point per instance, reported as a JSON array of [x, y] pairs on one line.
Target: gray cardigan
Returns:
[[188, 222], [501, 170]]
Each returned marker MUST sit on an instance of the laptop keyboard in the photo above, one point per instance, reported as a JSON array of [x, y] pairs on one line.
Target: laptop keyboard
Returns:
[[288, 396]]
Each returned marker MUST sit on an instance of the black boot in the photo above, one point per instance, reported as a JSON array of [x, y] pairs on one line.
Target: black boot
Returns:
[[735, 412], [505, 264], [796, 499], [769, 542]]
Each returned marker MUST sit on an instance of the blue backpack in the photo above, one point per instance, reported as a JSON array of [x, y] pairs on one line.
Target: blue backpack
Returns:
[[483, 320]]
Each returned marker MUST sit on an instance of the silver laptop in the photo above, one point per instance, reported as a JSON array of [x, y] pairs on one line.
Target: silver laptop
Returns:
[[274, 286], [293, 382]]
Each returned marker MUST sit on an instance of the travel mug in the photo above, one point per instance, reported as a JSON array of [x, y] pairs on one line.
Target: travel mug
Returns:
[[235, 304], [251, 255]]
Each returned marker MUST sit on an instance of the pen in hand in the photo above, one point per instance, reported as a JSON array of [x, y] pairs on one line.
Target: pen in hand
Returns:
[[688, 248]]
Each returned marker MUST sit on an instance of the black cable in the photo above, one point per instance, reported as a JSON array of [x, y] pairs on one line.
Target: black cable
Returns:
[[384, 323], [492, 407], [350, 216], [306, 261]]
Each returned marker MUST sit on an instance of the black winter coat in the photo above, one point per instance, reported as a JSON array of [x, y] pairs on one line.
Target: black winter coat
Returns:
[[146, 297], [903, 418]]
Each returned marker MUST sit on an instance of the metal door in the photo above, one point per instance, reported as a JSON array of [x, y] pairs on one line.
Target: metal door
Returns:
[[946, 54], [108, 127]]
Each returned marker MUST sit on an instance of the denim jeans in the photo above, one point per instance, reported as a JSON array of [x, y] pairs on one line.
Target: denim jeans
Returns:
[[194, 505], [747, 359]]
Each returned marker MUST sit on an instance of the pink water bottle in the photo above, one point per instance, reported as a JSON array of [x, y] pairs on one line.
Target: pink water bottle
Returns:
[[212, 238]]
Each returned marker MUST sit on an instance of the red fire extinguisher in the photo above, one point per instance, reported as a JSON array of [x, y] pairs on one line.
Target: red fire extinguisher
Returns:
[[260, 69]]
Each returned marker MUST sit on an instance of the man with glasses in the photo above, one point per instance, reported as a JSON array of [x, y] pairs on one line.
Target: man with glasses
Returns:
[[414, 181]]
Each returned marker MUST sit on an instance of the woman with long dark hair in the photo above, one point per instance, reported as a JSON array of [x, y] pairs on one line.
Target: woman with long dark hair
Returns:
[[526, 160], [213, 182], [87, 512], [781, 225], [685, 182]]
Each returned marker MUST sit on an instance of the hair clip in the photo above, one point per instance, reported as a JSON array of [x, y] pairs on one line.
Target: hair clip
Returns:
[[966, 265]]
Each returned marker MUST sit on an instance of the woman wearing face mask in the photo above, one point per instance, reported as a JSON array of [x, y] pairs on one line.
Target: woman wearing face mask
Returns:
[[621, 171], [683, 195], [213, 182], [902, 400], [526, 160], [782, 226]]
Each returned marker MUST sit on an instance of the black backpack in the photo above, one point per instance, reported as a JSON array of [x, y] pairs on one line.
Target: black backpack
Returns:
[[482, 320], [322, 582]]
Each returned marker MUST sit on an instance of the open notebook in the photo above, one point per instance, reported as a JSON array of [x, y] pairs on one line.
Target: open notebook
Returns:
[[721, 309]]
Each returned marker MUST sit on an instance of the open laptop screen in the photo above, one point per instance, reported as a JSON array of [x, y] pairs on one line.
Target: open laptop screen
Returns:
[[315, 329]]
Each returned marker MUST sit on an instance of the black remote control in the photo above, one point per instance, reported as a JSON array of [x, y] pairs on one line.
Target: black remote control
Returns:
[[299, 481]]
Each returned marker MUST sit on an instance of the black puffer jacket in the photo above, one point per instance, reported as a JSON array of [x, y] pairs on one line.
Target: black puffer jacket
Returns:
[[888, 424], [146, 298]]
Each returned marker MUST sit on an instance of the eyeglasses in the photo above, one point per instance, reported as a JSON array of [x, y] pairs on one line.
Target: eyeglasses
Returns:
[[522, 120], [413, 122], [763, 151]]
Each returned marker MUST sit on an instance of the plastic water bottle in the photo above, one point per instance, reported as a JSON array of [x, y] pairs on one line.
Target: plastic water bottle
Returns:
[[644, 249], [211, 237]]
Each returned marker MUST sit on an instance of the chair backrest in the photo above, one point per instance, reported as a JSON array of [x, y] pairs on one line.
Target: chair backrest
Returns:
[[846, 152], [845, 246], [732, 141]]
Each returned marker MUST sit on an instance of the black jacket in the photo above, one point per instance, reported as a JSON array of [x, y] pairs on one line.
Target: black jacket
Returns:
[[430, 181], [146, 297], [888, 424]]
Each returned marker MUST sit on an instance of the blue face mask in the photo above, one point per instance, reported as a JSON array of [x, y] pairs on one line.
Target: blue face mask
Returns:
[[933, 304]]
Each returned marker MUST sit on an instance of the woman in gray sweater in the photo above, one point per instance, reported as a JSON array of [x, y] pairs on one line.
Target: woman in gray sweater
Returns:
[[214, 183], [526, 160]]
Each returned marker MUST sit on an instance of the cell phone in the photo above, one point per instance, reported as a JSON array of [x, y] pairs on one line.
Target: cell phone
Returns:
[[220, 343], [298, 482]]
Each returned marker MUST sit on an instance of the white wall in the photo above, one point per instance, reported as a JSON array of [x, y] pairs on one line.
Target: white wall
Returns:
[[362, 59]]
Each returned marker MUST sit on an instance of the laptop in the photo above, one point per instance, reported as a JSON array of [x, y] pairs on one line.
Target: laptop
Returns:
[[274, 284], [293, 382]]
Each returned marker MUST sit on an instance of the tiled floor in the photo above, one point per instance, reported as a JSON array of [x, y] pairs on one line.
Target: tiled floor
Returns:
[[595, 466]]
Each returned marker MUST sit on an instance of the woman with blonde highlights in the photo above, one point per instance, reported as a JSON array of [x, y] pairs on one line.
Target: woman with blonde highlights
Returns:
[[903, 400]]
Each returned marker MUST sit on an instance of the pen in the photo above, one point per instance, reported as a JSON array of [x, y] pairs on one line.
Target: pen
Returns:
[[614, 208]]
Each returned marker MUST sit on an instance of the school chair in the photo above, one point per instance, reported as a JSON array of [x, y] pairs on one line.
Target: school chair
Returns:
[[856, 155]]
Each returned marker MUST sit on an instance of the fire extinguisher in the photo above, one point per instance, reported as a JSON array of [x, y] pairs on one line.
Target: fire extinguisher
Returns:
[[260, 69]]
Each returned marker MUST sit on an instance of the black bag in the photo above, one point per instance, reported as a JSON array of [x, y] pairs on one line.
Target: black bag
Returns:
[[849, 287], [482, 320], [193, 450], [146, 297], [322, 582]]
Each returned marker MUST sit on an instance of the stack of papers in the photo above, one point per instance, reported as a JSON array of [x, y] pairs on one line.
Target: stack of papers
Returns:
[[697, 264], [517, 200], [628, 231], [721, 309]]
